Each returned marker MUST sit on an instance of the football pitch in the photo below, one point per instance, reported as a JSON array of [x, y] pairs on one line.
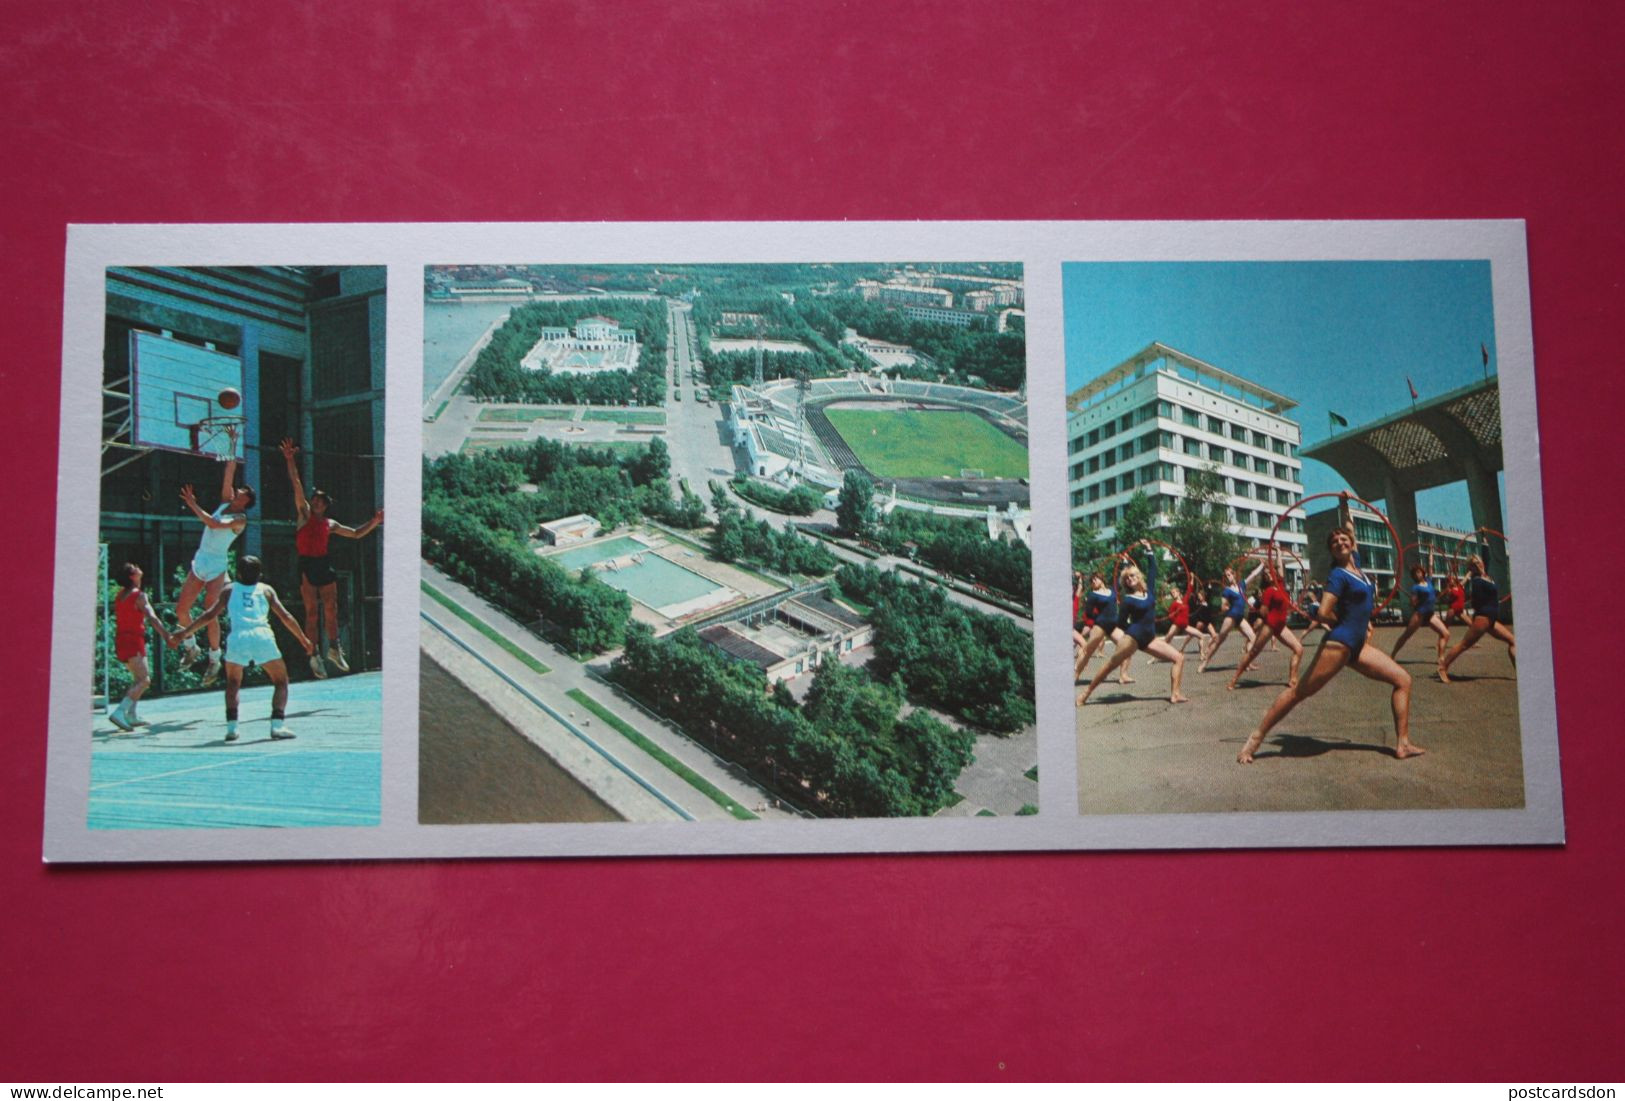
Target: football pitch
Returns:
[[928, 444]]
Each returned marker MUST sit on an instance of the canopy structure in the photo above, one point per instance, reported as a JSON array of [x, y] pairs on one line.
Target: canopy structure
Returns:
[[1454, 437]]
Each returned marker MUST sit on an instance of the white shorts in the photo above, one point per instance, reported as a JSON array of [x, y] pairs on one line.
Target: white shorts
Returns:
[[207, 567], [255, 646]]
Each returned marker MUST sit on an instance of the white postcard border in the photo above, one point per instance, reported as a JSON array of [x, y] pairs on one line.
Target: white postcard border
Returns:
[[1042, 247]]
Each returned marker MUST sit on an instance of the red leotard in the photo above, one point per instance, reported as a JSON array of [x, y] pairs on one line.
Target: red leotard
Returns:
[[312, 537], [1458, 599], [1276, 605], [130, 638], [1180, 612]]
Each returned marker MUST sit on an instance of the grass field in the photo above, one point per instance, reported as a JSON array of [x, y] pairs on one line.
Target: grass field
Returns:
[[914, 444], [626, 416], [534, 413]]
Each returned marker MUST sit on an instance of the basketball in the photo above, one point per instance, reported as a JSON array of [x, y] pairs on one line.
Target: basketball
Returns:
[[229, 398]]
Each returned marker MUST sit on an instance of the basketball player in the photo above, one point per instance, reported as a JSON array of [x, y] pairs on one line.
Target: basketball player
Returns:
[[316, 580], [249, 601], [207, 574]]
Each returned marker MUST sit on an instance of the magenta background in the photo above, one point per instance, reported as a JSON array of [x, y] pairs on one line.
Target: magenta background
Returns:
[[1376, 964]]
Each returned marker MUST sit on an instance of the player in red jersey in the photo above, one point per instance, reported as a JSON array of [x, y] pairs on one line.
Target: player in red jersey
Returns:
[[317, 582], [131, 613]]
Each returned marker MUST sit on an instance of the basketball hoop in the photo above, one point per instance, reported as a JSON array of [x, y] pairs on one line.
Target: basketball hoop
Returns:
[[216, 436]]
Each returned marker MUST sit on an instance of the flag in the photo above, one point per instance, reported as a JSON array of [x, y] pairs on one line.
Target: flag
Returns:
[[1338, 421], [1484, 351], [1412, 385]]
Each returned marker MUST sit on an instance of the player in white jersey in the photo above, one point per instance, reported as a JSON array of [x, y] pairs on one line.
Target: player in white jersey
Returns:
[[250, 603], [208, 572]]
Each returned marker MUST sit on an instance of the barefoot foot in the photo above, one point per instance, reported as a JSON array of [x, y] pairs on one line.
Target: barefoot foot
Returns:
[[1406, 749]]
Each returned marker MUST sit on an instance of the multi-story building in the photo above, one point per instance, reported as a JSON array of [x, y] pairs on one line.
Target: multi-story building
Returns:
[[942, 315], [596, 344], [904, 294], [1147, 423], [978, 300]]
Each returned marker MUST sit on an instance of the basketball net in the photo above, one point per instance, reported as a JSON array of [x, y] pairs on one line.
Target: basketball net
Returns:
[[217, 437]]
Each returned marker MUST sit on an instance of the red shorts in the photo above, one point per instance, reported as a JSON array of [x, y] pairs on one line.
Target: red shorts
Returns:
[[130, 646]]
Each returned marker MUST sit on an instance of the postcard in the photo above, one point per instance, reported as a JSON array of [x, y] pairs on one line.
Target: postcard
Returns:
[[755, 538]]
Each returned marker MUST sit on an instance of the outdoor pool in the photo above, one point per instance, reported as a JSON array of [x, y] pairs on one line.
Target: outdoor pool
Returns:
[[618, 547], [664, 586]]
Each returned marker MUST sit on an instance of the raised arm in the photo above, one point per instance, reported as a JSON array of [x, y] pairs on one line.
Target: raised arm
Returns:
[[212, 612], [189, 495], [228, 488], [289, 622], [290, 452], [361, 532], [1247, 584]]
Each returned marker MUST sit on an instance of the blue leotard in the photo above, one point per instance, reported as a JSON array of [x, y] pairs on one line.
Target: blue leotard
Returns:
[[1140, 611], [1423, 599], [1102, 607], [1485, 597], [1237, 599], [1355, 600]]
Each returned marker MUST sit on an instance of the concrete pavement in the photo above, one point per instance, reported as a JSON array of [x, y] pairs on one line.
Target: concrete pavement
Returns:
[[1138, 753]]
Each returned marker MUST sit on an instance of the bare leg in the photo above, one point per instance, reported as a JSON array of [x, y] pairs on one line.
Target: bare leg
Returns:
[[211, 592], [1125, 650], [183, 603], [1437, 626], [1475, 631], [1247, 658], [1504, 633], [234, 685], [307, 594], [1412, 625], [1372, 662], [330, 609], [1296, 647], [1159, 648], [1329, 660]]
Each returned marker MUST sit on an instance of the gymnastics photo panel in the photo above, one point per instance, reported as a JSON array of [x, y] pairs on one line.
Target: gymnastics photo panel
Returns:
[[1289, 516]]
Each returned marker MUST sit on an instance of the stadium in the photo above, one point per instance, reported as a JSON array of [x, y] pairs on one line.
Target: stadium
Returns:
[[935, 442]]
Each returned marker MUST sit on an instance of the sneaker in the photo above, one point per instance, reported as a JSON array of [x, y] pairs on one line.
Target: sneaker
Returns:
[[281, 734], [231, 735], [191, 653], [336, 656], [317, 669], [211, 675], [138, 722], [116, 717]]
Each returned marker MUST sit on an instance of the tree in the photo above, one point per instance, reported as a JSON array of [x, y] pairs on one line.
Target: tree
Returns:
[[1087, 548], [1200, 529], [855, 514], [1139, 516]]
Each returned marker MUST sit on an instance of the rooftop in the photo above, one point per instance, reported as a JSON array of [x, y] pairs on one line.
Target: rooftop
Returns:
[[1159, 358]]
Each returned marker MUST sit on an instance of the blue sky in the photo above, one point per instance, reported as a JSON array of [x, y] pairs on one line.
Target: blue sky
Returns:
[[1335, 336]]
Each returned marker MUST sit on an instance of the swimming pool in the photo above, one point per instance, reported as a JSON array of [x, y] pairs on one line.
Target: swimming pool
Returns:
[[598, 552], [665, 586]]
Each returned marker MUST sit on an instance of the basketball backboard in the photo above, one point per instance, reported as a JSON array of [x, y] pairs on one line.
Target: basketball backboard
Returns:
[[175, 386]]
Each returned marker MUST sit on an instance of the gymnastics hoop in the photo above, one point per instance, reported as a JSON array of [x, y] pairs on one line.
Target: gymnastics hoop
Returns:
[[1398, 543], [1263, 551], [1105, 568], [1505, 542], [1184, 565]]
